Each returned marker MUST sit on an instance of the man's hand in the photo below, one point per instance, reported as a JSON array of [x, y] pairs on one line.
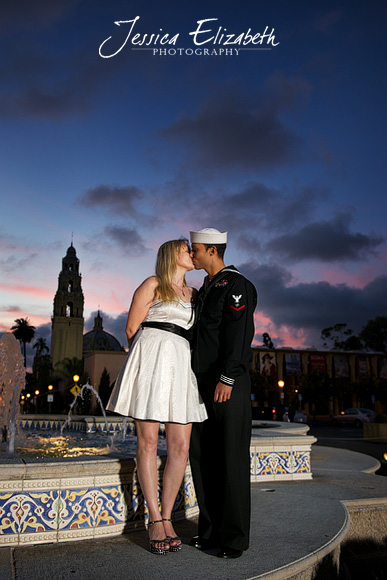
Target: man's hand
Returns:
[[222, 393]]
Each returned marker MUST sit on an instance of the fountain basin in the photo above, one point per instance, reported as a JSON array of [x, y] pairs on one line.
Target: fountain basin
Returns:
[[61, 500]]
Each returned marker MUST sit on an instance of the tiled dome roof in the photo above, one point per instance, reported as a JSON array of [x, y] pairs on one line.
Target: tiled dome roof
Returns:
[[98, 339]]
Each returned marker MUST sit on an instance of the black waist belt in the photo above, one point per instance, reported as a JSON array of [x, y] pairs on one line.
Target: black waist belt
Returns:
[[169, 327]]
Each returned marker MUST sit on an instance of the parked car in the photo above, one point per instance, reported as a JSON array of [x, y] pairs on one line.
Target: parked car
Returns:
[[354, 416], [280, 413], [300, 417]]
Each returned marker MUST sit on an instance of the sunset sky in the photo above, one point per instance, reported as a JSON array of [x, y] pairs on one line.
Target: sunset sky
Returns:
[[281, 144]]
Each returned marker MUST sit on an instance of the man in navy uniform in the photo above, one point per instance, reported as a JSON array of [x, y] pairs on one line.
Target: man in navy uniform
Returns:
[[220, 447]]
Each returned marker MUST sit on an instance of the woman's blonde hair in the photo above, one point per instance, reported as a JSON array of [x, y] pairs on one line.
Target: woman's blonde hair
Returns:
[[166, 263]]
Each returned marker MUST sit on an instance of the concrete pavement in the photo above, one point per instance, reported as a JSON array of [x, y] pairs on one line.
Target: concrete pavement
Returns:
[[296, 531]]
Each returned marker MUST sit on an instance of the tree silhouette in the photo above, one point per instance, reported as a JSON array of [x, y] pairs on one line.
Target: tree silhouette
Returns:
[[70, 367], [340, 337], [104, 388], [40, 346], [24, 332], [374, 334], [267, 340]]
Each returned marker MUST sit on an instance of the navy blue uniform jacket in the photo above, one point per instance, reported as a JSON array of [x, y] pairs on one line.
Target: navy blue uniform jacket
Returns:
[[224, 326]]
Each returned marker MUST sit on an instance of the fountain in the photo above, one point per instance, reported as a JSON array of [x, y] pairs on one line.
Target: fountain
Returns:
[[80, 395], [55, 500], [12, 380]]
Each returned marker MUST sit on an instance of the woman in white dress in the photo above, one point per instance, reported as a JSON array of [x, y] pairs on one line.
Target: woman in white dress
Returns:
[[156, 384]]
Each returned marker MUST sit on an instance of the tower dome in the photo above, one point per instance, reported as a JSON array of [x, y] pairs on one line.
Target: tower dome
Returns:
[[99, 339], [71, 251]]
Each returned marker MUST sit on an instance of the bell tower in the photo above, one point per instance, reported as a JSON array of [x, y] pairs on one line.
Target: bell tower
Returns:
[[67, 320]]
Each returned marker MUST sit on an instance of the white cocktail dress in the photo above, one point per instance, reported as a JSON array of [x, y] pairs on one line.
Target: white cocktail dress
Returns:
[[156, 381]]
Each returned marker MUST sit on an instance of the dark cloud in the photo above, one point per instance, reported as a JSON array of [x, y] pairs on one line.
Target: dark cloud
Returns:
[[127, 239], [24, 14], [327, 241], [42, 331], [37, 84], [13, 263], [39, 79], [236, 131], [252, 215], [42, 102], [327, 22], [119, 200], [268, 208], [317, 305]]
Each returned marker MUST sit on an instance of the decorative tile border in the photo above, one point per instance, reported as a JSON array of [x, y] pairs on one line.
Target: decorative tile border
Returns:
[[55, 510], [84, 424], [56, 502], [280, 458]]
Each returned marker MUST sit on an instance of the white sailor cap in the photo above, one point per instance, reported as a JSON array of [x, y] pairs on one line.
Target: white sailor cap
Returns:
[[208, 236]]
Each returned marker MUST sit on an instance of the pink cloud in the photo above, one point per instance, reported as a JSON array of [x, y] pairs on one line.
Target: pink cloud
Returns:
[[281, 335], [34, 291], [9, 320], [113, 296]]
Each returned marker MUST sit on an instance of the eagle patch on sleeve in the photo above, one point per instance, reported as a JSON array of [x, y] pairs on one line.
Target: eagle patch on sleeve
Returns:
[[237, 306]]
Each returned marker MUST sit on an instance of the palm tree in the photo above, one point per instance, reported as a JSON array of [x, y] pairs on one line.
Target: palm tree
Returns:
[[24, 332], [70, 367], [41, 346]]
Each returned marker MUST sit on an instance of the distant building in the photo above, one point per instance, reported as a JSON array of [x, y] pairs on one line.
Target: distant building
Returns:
[[98, 348], [101, 350], [356, 378], [67, 319]]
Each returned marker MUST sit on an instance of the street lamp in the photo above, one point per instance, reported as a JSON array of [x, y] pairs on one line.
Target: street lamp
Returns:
[[281, 385], [50, 397], [36, 399], [76, 389]]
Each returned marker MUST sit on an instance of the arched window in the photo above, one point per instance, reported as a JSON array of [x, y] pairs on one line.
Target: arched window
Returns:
[[69, 310], [70, 286]]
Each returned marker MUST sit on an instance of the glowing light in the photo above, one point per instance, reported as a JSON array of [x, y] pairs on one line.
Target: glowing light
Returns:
[[76, 378], [50, 387], [281, 384], [37, 392]]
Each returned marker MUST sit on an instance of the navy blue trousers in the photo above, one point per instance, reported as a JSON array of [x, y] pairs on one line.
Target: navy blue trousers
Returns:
[[220, 463]]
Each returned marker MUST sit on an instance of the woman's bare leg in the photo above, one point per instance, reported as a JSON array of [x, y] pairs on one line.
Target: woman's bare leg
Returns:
[[147, 437], [178, 438]]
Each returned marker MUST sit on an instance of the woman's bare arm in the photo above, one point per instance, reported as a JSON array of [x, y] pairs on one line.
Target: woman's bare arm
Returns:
[[139, 308]]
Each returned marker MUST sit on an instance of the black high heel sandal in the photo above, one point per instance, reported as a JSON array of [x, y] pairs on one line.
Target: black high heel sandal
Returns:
[[152, 543], [172, 539]]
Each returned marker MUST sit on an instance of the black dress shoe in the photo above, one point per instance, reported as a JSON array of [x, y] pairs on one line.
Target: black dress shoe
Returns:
[[200, 543], [228, 553]]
